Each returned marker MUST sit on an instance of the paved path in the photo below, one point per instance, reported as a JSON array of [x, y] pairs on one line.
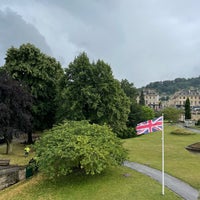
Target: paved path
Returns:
[[181, 188], [188, 128]]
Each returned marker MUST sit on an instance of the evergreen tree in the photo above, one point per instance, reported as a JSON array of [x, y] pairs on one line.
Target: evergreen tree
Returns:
[[187, 109], [142, 101]]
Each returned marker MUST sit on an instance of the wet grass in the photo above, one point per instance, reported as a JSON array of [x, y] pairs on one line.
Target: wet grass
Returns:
[[179, 162], [115, 183]]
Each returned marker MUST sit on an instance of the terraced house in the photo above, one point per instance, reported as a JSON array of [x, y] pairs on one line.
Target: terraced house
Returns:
[[152, 99], [178, 100]]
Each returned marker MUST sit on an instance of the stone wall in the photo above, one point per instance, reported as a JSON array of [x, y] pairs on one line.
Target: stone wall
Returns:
[[10, 175]]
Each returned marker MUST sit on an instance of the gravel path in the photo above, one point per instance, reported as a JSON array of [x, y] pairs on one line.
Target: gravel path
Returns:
[[181, 188]]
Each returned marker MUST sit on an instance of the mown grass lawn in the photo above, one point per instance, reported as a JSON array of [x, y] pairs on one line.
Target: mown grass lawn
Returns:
[[180, 163], [113, 184], [110, 185], [16, 157]]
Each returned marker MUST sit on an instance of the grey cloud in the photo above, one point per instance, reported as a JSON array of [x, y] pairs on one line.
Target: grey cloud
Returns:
[[142, 40], [15, 31]]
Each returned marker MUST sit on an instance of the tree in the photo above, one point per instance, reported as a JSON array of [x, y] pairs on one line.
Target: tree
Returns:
[[15, 106], [129, 89], [172, 114], [41, 74], [139, 114], [132, 93], [78, 145], [90, 92], [147, 113], [187, 109], [142, 101]]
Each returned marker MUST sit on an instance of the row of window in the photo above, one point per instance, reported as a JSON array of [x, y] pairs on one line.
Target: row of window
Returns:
[[192, 97], [191, 102]]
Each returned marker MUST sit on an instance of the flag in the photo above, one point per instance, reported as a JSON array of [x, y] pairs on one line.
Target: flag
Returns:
[[150, 126]]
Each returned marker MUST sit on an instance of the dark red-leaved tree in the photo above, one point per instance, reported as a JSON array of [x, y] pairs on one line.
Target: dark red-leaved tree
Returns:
[[15, 105]]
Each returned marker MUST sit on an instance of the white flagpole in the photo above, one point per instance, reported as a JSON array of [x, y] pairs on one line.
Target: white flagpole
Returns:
[[163, 160]]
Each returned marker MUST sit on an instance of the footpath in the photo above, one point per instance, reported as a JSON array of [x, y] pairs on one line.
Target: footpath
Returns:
[[181, 188]]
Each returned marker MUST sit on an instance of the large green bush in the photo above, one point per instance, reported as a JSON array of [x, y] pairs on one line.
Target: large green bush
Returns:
[[78, 145]]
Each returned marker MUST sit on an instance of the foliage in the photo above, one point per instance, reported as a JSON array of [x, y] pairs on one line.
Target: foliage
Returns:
[[147, 113], [78, 145], [128, 133], [172, 114], [142, 101], [187, 109], [198, 122], [170, 87], [41, 74], [139, 114], [129, 89], [132, 93], [90, 92], [15, 106]]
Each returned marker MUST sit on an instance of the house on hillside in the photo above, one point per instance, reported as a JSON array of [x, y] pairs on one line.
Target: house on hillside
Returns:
[[151, 98], [178, 100]]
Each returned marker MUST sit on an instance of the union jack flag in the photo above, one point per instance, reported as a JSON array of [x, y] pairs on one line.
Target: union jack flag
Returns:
[[150, 126]]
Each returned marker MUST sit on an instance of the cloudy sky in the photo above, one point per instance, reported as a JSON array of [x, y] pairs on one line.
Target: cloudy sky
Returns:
[[142, 40]]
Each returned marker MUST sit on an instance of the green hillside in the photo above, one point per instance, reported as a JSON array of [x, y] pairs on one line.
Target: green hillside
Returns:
[[169, 87]]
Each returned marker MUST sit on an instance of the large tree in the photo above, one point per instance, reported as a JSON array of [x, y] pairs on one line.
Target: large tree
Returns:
[[129, 89], [41, 74], [90, 92], [15, 106]]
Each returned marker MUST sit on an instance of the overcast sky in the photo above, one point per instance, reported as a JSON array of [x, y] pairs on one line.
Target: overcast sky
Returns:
[[142, 40]]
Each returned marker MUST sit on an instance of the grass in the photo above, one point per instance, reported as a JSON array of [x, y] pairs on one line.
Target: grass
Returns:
[[17, 156], [179, 162], [110, 185], [113, 184]]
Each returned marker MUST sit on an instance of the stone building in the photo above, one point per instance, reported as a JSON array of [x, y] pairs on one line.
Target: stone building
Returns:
[[178, 100], [151, 98]]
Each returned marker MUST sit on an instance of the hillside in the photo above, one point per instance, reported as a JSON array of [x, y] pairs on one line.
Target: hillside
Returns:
[[169, 87]]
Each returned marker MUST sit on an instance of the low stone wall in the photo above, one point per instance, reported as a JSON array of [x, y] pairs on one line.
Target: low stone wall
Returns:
[[10, 175]]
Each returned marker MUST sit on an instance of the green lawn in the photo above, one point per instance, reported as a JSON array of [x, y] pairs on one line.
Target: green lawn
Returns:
[[17, 155], [113, 184], [179, 162], [110, 185]]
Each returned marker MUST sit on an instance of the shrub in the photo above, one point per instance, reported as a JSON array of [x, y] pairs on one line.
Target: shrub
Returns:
[[182, 132], [78, 145], [198, 123], [128, 133]]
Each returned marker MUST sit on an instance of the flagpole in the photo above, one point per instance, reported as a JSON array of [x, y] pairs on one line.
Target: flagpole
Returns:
[[163, 160]]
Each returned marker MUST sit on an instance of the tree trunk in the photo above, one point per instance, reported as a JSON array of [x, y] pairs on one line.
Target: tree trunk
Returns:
[[8, 146], [30, 139]]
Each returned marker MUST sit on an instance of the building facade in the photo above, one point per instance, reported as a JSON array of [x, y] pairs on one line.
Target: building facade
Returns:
[[179, 98], [151, 98]]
